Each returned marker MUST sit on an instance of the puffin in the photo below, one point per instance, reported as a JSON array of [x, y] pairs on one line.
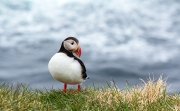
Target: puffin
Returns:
[[66, 66]]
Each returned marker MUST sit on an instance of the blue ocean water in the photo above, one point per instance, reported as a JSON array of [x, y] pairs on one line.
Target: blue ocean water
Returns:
[[123, 41]]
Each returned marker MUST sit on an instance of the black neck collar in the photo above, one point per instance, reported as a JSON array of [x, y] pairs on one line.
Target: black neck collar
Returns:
[[68, 53]]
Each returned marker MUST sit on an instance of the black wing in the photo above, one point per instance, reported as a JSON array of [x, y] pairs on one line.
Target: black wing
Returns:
[[84, 75]]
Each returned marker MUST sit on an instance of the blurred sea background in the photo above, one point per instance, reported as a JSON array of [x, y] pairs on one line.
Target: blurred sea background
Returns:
[[122, 40]]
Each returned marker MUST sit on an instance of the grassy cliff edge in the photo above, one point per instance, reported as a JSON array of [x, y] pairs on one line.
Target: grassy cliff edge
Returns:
[[152, 96]]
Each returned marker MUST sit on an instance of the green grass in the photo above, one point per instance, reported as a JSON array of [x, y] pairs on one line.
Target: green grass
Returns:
[[150, 97]]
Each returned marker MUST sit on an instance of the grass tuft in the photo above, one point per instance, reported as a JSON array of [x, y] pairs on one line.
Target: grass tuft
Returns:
[[152, 96]]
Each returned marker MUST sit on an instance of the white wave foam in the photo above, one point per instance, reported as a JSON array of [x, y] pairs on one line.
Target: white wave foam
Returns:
[[119, 29]]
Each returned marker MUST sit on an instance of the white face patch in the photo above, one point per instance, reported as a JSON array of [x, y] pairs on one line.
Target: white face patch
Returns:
[[70, 45]]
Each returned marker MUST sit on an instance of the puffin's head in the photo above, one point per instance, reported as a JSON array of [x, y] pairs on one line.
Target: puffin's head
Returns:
[[72, 44]]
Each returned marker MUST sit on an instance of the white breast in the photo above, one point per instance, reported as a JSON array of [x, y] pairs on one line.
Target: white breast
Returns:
[[65, 69]]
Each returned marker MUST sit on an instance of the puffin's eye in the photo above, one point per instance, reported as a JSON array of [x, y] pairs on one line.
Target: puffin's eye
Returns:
[[72, 43]]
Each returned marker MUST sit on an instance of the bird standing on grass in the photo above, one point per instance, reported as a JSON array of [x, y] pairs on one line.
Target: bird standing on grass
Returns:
[[66, 66]]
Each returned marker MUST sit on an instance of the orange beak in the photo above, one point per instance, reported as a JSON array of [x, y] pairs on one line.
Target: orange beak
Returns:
[[78, 52]]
